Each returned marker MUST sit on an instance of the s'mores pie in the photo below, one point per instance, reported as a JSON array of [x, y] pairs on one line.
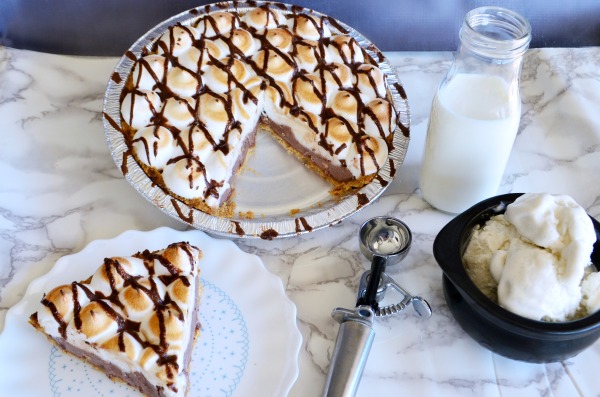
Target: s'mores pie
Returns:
[[135, 318], [194, 101]]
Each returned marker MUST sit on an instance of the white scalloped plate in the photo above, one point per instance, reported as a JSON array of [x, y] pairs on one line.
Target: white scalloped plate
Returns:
[[249, 343]]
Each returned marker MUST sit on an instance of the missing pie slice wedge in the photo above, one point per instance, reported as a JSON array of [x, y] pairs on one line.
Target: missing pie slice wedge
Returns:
[[135, 318]]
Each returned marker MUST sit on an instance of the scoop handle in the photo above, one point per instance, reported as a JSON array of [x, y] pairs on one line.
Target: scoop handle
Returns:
[[350, 354], [378, 265]]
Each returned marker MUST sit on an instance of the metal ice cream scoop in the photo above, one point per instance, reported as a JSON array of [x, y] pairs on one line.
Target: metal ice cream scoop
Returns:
[[384, 241]]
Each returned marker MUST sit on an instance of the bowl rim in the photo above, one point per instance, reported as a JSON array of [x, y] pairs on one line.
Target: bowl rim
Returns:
[[448, 248]]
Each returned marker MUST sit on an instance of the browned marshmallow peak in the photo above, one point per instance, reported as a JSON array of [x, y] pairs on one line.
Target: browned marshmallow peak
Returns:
[[193, 102], [134, 316]]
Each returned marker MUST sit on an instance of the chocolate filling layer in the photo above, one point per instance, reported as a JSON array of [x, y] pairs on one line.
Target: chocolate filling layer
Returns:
[[336, 172]]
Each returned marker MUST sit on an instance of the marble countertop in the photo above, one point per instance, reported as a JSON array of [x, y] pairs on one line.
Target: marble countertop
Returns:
[[60, 190]]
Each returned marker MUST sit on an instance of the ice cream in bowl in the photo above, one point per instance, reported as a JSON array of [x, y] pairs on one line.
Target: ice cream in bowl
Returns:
[[521, 275]]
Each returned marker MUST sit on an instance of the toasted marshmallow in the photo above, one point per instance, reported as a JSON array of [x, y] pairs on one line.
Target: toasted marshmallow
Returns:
[[307, 93], [181, 260], [276, 66], [279, 94], [371, 82], [243, 41], [179, 113], [339, 135], [338, 75], [176, 40], [135, 267], [138, 108], [227, 73], [379, 118], [149, 360], [169, 320], [307, 55], [312, 122], [154, 145], [344, 49], [195, 59], [196, 141], [179, 292], [149, 71], [106, 279], [131, 347], [213, 114], [98, 323], [136, 300], [369, 159], [344, 104], [308, 27], [182, 83], [234, 137], [185, 178], [243, 107], [216, 166], [263, 18], [63, 299], [216, 23], [280, 38]]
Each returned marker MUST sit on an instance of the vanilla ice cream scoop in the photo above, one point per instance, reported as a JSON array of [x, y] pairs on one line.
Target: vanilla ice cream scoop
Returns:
[[557, 223], [537, 253]]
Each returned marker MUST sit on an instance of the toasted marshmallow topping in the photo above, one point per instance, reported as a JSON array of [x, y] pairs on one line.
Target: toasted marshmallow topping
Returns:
[[178, 113], [138, 108], [308, 94], [186, 178], [243, 41], [370, 78], [263, 18], [281, 39], [344, 49], [124, 344], [308, 27], [344, 104], [154, 145], [183, 83], [149, 71], [226, 69], [306, 55], [379, 118], [135, 312], [177, 40], [338, 136], [217, 23]]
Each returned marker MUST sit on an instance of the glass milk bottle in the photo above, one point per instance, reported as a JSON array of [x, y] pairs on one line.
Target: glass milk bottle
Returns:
[[476, 111]]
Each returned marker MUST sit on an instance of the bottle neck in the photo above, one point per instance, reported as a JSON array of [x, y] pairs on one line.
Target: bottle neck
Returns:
[[495, 33], [493, 41]]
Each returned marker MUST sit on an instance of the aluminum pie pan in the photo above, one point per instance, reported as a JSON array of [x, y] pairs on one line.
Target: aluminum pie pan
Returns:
[[320, 214]]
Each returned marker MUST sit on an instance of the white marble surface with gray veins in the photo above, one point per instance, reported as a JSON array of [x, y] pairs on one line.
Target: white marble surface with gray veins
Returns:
[[60, 190]]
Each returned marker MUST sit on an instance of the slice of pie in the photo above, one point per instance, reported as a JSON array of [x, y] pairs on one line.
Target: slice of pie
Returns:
[[136, 318]]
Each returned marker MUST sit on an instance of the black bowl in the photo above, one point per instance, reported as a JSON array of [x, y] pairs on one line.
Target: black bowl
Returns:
[[492, 326]]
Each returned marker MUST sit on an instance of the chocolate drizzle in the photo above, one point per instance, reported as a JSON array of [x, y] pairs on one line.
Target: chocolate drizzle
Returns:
[[111, 305], [302, 224], [269, 234], [218, 28], [238, 228], [190, 216], [362, 200], [116, 78]]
